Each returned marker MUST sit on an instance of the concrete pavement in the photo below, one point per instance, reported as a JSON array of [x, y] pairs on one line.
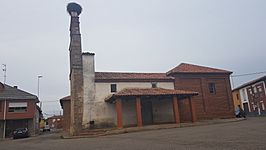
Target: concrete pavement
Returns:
[[244, 135]]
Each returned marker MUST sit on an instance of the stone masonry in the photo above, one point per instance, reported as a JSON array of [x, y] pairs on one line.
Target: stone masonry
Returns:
[[76, 70]]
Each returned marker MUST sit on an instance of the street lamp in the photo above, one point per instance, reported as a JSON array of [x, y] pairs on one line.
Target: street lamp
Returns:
[[4, 128], [39, 77]]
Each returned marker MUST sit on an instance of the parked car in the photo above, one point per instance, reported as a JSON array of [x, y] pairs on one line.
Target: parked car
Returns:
[[20, 133], [46, 128]]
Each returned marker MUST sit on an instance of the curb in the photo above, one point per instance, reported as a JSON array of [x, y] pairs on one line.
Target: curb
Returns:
[[154, 127]]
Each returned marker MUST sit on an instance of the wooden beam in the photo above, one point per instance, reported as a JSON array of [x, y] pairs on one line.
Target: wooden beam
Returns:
[[176, 110], [119, 116], [192, 110], [138, 111]]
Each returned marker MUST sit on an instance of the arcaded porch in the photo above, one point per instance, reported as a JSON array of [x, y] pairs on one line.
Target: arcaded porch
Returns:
[[144, 100]]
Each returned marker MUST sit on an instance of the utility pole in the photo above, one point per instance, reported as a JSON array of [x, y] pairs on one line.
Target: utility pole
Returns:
[[38, 89], [4, 128]]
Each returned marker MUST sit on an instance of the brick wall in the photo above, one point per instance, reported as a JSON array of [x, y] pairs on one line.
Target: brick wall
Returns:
[[22, 115], [208, 105], [256, 96]]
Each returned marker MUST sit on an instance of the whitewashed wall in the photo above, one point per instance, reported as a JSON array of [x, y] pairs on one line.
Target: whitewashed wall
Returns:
[[104, 114], [104, 89], [88, 88]]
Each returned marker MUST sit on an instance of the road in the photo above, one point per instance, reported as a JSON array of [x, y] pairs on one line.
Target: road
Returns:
[[249, 134]]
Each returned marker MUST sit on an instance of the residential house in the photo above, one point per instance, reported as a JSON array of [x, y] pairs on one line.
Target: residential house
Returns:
[[55, 122], [18, 109], [252, 96], [65, 105], [236, 99]]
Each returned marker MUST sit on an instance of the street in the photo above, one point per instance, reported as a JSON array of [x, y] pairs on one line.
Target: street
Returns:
[[243, 135]]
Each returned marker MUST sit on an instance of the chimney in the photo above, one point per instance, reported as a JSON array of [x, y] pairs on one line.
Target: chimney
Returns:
[[88, 88], [15, 87], [76, 70]]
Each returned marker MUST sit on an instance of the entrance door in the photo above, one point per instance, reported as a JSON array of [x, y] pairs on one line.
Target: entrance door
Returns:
[[245, 105], [146, 112]]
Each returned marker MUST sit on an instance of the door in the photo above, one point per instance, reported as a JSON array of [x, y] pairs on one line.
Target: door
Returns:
[[146, 112], [245, 105]]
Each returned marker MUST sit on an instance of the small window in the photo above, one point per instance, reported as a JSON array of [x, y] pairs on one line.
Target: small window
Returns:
[[250, 91], [255, 89], [212, 88], [260, 89], [154, 84], [113, 88], [17, 107]]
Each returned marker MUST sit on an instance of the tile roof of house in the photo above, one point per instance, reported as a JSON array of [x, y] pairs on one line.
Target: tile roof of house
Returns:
[[190, 68], [122, 76], [149, 92], [13, 93], [250, 82]]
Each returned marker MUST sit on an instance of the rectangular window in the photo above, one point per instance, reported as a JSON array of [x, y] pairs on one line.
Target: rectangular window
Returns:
[[154, 84], [250, 91], [113, 88], [237, 96], [19, 107], [212, 88], [255, 89], [260, 89]]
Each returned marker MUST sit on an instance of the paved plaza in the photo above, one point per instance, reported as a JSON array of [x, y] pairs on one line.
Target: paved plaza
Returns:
[[243, 135]]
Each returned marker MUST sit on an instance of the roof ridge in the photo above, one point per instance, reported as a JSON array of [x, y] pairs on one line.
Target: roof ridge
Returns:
[[131, 72], [192, 68]]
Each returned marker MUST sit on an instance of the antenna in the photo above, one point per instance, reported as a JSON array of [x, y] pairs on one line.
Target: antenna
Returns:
[[4, 69]]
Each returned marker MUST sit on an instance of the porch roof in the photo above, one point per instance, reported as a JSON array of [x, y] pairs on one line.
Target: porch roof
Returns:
[[149, 92]]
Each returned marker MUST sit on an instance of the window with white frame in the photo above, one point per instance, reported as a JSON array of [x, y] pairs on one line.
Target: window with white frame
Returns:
[[255, 89], [17, 107], [250, 91], [260, 88]]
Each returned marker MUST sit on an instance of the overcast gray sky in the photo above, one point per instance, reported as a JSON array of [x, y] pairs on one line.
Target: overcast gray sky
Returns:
[[129, 35]]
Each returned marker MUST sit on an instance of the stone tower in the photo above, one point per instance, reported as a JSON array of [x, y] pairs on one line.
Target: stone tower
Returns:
[[76, 70]]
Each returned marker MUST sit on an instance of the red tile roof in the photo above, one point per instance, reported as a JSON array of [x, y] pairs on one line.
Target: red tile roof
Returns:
[[190, 68], [121, 76], [149, 92]]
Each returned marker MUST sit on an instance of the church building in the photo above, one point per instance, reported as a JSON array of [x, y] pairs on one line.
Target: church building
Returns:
[[186, 93]]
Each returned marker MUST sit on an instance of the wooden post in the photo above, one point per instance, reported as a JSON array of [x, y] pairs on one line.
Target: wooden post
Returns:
[[119, 116], [138, 111], [176, 110], [192, 110]]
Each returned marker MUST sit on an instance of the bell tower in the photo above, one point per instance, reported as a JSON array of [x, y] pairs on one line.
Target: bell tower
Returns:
[[76, 70]]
